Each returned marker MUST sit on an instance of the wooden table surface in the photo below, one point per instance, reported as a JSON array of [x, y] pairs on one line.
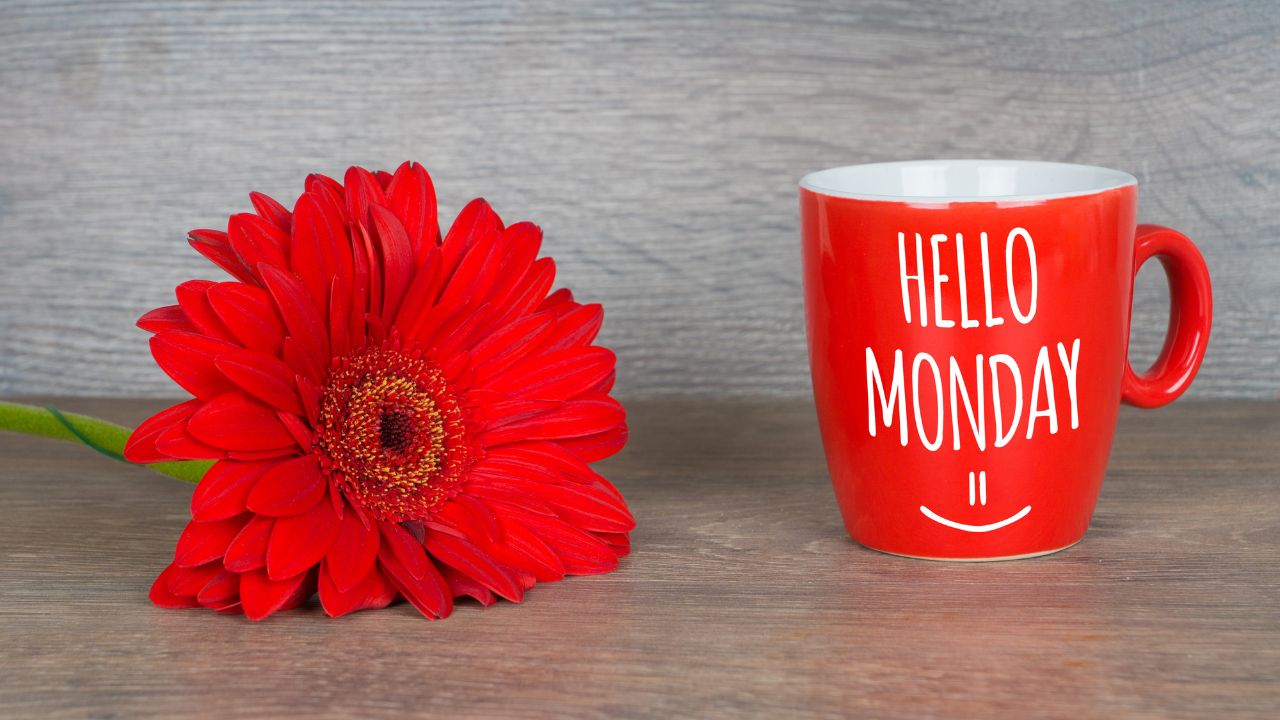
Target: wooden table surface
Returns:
[[743, 596]]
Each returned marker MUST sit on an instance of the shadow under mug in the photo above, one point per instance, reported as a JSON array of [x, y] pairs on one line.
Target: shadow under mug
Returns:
[[968, 325]]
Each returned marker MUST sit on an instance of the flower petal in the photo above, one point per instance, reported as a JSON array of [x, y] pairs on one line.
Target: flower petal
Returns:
[[321, 183], [580, 552], [249, 315], [301, 432], [224, 489], [169, 317], [301, 360], [193, 298], [263, 377], [423, 290], [473, 562], [248, 550], [430, 594], [256, 241], [590, 448], [233, 421], [537, 460], [340, 341], [311, 395], [299, 312], [589, 508], [203, 542], [521, 548], [188, 359], [576, 327], [553, 457], [221, 591], [261, 596], [141, 447], [406, 549], [584, 506], [338, 251], [620, 542], [506, 346], [397, 258], [560, 301], [412, 197], [271, 211], [521, 243], [473, 277], [470, 515], [370, 592], [559, 375], [461, 585], [528, 294], [498, 493], [213, 244], [301, 542], [477, 221], [353, 553], [187, 582], [176, 442], [288, 488], [587, 415], [361, 190], [162, 596], [492, 415], [362, 245], [315, 235]]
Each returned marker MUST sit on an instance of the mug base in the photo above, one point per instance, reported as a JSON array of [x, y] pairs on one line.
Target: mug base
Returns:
[[1023, 556]]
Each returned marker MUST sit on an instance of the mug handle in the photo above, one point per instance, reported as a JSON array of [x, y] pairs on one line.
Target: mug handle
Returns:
[[1190, 316]]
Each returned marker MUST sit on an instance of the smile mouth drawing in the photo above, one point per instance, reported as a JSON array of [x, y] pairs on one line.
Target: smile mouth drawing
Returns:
[[975, 528]]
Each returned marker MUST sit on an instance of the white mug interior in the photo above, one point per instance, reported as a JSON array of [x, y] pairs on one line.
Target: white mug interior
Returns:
[[948, 181]]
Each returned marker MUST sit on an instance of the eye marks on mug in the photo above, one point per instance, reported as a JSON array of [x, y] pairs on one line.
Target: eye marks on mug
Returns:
[[981, 495]]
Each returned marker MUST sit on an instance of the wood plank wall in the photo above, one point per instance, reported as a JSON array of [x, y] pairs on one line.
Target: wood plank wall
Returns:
[[657, 143]]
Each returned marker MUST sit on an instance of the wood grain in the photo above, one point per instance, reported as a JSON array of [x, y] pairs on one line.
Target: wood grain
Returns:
[[657, 143], [743, 597]]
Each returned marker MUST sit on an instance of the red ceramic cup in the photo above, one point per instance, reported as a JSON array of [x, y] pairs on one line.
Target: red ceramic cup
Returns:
[[968, 326]]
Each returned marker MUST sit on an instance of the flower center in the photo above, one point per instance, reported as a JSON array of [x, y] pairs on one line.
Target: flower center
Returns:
[[395, 430], [392, 433]]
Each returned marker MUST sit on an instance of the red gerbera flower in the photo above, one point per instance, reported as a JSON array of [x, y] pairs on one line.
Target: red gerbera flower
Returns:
[[392, 413]]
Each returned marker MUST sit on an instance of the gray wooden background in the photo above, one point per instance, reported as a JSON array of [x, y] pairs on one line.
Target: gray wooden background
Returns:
[[657, 143]]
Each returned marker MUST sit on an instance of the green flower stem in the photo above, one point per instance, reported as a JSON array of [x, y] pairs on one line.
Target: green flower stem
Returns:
[[107, 438]]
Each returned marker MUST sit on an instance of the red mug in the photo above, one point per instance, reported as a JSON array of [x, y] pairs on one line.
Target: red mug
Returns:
[[968, 325]]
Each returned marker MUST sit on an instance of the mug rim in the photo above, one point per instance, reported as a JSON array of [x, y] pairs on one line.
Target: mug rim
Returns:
[[1064, 180]]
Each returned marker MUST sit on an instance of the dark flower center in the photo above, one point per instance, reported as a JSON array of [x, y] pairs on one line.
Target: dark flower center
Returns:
[[395, 429], [392, 433]]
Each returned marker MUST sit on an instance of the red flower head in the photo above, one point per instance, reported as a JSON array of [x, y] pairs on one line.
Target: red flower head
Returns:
[[392, 413]]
